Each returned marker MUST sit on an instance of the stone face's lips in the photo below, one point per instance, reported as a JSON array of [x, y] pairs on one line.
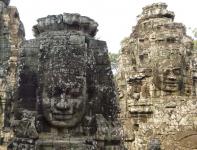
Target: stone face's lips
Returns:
[[68, 22], [171, 82], [171, 86], [62, 116]]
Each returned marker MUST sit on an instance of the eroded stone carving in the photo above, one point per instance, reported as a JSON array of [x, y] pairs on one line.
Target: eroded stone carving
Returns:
[[168, 75], [11, 36], [64, 90], [68, 81], [157, 76]]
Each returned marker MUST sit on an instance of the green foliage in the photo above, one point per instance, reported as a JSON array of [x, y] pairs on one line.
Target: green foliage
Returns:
[[194, 31], [114, 60], [194, 36], [124, 41], [113, 57]]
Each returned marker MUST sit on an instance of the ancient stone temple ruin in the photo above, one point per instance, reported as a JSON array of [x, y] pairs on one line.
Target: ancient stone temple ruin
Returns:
[[11, 35], [65, 97], [57, 90], [157, 84]]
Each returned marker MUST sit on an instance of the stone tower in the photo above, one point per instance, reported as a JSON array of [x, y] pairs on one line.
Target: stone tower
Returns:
[[11, 35], [65, 97], [157, 83]]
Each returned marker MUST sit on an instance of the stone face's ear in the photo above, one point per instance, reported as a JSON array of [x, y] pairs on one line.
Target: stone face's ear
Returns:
[[101, 76], [24, 118], [28, 75]]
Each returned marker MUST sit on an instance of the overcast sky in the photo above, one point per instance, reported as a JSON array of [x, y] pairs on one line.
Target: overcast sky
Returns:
[[115, 17]]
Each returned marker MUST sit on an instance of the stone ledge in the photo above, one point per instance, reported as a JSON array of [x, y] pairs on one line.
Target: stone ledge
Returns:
[[156, 10]]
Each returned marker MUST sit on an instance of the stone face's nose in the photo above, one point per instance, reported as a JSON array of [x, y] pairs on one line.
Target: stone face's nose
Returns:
[[171, 76], [63, 103]]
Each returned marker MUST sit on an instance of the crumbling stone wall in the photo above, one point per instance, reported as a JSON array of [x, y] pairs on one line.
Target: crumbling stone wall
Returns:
[[65, 98], [156, 83]]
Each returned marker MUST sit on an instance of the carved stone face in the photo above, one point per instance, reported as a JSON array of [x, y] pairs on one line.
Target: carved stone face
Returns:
[[64, 107], [169, 76]]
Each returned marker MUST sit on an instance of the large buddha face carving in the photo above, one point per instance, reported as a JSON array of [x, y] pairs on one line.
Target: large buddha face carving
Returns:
[[63, 91], [64, 107], [168, 76]]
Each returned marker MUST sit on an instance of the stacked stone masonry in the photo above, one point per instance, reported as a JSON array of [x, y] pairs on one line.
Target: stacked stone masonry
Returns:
[[65, 98], [157, 84], [11, 35]]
